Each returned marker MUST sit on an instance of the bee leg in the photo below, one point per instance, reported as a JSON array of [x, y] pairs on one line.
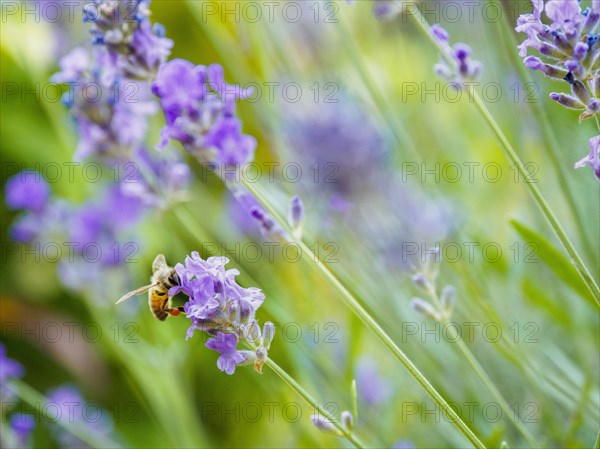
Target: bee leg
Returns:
[[175, 311]]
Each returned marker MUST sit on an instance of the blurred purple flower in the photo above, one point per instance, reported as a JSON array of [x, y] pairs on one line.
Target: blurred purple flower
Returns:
[[199, 109], [160, 179], [337, 144], [403, 444], [101, 223], [372, 387], [27, 190], [22, 426], [124, 30], [9, 368], [110, 112], [72, 408]]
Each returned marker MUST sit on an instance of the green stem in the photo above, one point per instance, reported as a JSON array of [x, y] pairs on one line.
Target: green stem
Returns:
[[368, 320], [541, 202], [483, 376], [511, 154], [312, 402], [76, 428]]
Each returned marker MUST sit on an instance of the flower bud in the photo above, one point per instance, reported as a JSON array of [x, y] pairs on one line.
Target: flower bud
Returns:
[[567, 100], [268, 334], [324, 424], [296, 217], [425, 308], [261, 358], [421, 281], [252, 332], [347, 421], [448, 298], [440, 33], [580, 91], [249, 357]]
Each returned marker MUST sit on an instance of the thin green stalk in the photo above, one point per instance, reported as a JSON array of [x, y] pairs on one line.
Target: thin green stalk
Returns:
[[312, 402], [511, 154], [76, 428], [370, 322], [541, 202], [483, 376]]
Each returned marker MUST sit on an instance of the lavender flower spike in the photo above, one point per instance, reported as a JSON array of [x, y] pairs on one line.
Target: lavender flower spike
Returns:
[[223, 309], [199, 109], [568, 47], [456, 66], [296, 217], [324, 424]]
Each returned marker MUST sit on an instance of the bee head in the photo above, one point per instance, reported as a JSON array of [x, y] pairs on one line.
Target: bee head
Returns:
[[173, 278]]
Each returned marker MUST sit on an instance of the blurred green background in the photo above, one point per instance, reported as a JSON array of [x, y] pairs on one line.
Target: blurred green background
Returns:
[[165, 392]]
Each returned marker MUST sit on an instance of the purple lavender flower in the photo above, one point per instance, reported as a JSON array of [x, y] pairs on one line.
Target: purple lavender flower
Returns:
[[22, 426], [225, 345], [373, 388], [593, 158], [569, 50], [456, 66], [386, 9], [9, 368], [42, 216], [101, 223], [199, 109], [339, 144], [27, 190], [225, 310], [252, 219], [296, 217]]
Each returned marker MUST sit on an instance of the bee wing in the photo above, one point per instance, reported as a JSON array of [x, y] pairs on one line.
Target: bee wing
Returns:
[[160, 263], [135, 292]]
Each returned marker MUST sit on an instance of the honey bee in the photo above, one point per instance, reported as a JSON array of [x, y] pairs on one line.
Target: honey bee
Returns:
[[163, 278]]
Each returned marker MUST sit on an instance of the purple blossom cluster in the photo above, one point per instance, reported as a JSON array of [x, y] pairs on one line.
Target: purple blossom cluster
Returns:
[[99, 224], [110, 113], [110, 100], [569, 50], [569, 45], [199, 109], [456, 65], [226, 311]]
